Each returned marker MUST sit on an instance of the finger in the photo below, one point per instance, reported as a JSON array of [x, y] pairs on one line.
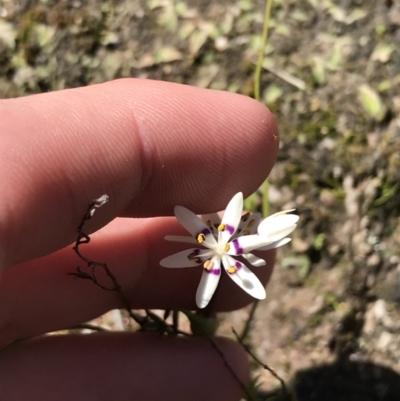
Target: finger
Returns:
[[40, 296], [148, 145], [121, 367]]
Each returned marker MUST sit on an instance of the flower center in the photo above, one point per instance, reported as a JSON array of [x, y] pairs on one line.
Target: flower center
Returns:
[[222, 249]]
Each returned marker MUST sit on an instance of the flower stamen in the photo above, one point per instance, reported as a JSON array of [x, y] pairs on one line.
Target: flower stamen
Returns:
[[245, 216], [201, 238], [193, 257], [251, 223], [208, 265], [222, 227], [232, 269]]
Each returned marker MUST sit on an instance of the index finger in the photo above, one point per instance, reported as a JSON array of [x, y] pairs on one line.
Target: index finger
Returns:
[[148, 145]]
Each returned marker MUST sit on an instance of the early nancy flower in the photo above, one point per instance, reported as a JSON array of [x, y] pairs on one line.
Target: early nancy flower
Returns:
[[234, 235]]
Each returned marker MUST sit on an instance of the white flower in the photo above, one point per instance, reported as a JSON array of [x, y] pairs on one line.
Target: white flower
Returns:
[[234, 235]]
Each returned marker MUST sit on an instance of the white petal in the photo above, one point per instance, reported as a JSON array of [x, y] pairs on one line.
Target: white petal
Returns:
[[248, 224], [213, 218], [278, 233], [276, 224], [194, 225], [282, 212], [281, 218], [231, 219], [244, 278], [247, 243], [208, 283], [275, 244], [254, 260], [179, 238], [181, 259], [212, 221]]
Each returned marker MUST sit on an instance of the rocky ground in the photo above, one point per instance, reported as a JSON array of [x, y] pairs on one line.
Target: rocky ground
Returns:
[[331, 323]]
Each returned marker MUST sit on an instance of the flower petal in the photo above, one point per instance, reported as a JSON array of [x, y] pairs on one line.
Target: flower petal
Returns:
[[282, 212], [248, 224], [244, 277], [278, 233], [278, 226], [254, 260], [194, 225], [231, 218], [208, 283], [275, 244], [186, 258], [247, 243], [212, 221]]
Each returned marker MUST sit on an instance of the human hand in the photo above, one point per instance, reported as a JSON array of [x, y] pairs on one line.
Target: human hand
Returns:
[[149, 146]]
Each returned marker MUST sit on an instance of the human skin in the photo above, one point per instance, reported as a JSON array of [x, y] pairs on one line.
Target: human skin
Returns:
[[149, 146]]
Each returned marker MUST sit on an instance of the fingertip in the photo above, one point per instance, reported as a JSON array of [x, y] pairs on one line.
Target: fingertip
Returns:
[[140, 366], [149, 145], [225, 142]]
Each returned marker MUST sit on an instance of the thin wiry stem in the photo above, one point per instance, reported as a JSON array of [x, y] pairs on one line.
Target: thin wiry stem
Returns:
[[10, 346], [84, 238], [264, 38], [226, 363], [249, 321], [265, 366], [257, 90], [265, 199]]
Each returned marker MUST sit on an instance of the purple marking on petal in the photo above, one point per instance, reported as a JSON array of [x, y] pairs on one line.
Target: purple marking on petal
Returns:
[[206, 231], [238, 265], [238, 249], [216, 272], [194, 254], [230, 229]]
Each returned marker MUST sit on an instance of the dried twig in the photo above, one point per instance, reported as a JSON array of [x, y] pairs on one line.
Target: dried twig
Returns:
[[249, 321], [10, 346], [285, 76], [84, 238], [232, 372], [265, 366]]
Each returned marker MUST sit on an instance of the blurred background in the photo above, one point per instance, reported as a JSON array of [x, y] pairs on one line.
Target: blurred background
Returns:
[[331, 74]]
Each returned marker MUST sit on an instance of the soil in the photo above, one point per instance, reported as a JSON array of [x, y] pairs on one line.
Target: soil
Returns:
[[330, 325]]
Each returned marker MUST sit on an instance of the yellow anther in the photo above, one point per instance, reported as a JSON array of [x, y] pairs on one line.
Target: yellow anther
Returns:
[[201, 238], [221, 227], [208, 265], [232, 269], [251, 223], [245, 216], [227, 247]]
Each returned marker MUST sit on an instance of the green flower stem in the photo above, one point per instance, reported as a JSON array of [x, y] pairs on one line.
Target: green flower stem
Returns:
[[264, 38]]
